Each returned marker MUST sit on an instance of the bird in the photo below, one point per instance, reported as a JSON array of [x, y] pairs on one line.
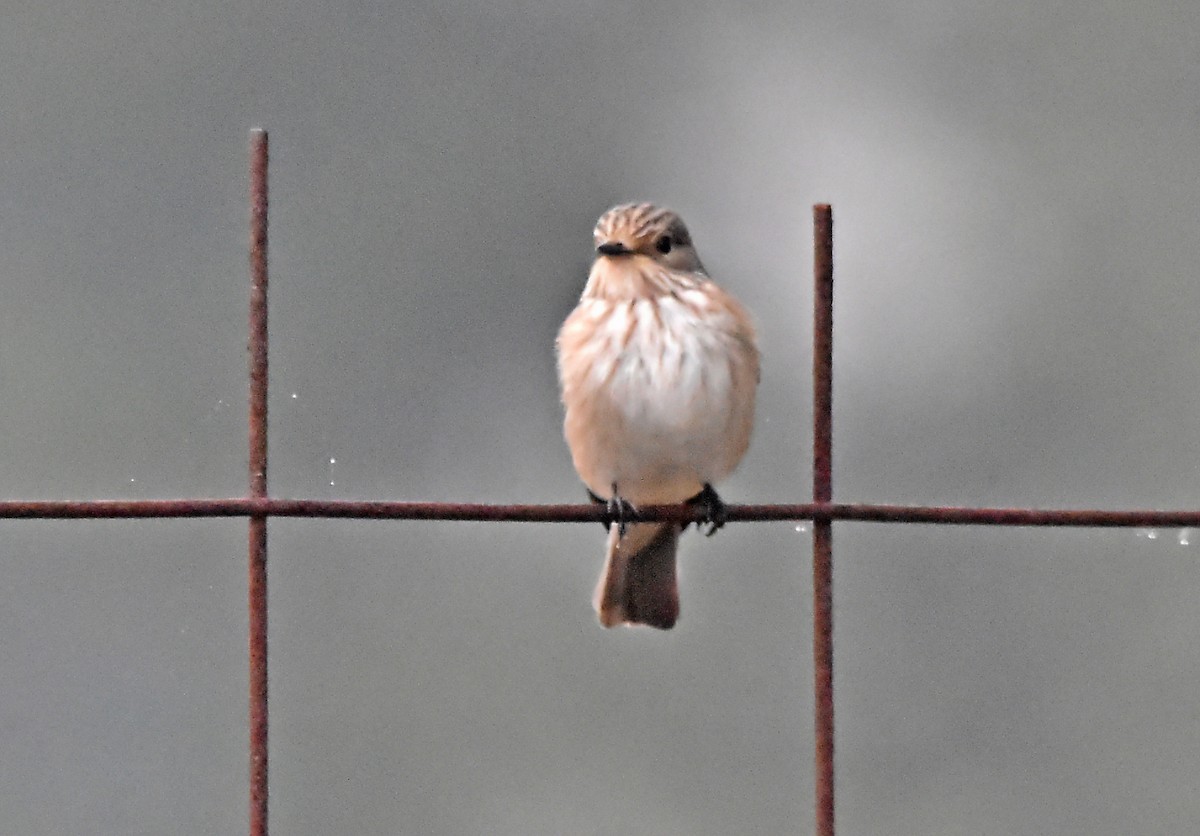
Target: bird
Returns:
[[658, 368]]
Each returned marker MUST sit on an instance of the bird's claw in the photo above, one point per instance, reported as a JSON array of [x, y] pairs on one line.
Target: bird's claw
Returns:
[[714, 509], [620, 511]]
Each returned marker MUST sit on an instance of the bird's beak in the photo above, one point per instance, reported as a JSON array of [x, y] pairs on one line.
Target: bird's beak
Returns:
[[614, 248]]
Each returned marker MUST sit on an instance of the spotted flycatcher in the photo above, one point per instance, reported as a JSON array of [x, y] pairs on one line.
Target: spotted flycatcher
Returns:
[[658, 368]]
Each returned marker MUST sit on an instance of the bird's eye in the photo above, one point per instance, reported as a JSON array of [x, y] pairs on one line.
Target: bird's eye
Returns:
[[663, 244]]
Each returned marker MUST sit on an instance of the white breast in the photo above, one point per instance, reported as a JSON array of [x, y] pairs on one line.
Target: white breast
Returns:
[[666, 366], [673, 370]]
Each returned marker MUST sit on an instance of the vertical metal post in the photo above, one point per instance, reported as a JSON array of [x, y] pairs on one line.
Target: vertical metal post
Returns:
[[258, 482], [823, 528]]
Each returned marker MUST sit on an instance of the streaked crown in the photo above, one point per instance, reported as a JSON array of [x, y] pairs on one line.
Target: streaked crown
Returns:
[[648, 230]]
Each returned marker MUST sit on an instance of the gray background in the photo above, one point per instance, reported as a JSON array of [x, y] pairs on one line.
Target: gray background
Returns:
[[1016, 188]]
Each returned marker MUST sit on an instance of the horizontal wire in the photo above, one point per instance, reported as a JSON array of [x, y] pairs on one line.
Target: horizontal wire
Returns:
[[480, 512]]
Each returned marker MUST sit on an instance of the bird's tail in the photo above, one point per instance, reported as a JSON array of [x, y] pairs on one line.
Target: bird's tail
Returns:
[[639, 584]]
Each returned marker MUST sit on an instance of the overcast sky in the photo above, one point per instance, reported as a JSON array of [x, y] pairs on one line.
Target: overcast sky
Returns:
[[1016, 189]]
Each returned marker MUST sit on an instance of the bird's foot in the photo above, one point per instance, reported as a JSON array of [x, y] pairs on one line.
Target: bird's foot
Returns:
[[713, 507], [621, 511], [599, 500]]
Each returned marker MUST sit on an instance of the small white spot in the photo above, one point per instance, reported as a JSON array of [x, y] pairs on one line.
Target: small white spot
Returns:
[[1148, 533], [295, 395], [1185, 537], [802, 528]]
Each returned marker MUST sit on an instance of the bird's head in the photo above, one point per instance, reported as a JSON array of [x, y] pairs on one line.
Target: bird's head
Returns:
[[643, 229]]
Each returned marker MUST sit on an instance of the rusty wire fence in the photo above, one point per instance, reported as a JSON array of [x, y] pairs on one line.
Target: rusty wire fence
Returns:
[[258, 506]]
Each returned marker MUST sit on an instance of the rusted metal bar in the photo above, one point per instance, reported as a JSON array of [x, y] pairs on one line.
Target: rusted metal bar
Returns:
[[478, 512], [822, 539], [257, 568]]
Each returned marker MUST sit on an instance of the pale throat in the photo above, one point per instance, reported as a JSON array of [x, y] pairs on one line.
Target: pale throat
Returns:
[[632, 277]]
